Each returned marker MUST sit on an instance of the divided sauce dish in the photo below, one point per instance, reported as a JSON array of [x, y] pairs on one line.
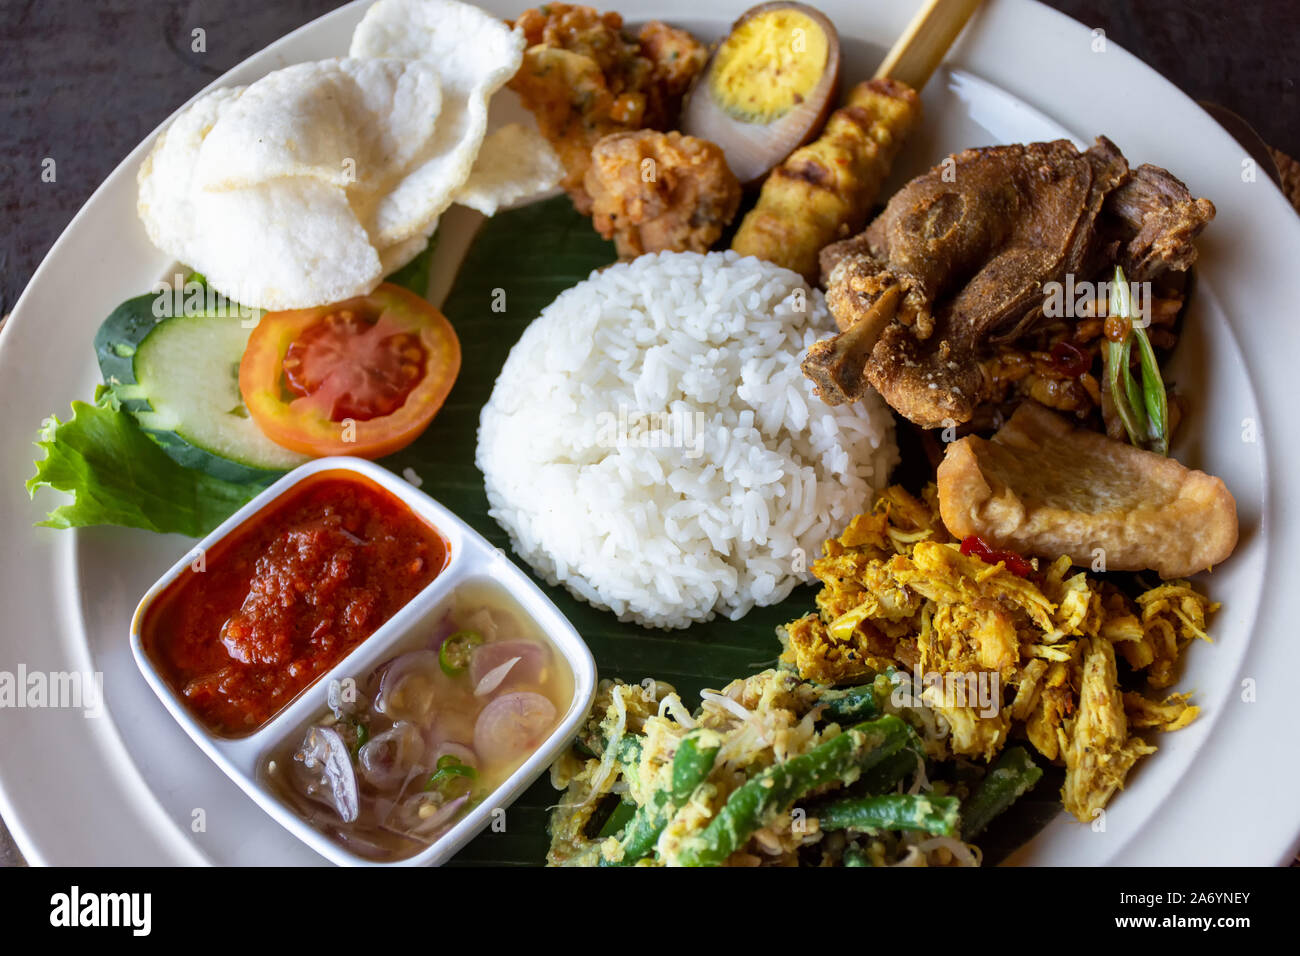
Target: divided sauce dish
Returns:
[[472, 566]]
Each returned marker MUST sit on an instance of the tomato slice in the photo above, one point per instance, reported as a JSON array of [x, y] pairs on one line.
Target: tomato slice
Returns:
[[362, 377]]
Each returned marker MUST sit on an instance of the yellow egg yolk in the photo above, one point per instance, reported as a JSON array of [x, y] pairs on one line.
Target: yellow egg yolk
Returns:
[[768, 64]]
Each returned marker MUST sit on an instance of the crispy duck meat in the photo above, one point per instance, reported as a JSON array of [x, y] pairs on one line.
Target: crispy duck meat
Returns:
[[1155, 220], [957, 262]]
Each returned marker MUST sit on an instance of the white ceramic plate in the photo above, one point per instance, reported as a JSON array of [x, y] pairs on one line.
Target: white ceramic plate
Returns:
[[123, 788]]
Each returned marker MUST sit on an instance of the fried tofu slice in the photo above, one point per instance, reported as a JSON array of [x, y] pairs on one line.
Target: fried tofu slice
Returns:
[[1041, 487]]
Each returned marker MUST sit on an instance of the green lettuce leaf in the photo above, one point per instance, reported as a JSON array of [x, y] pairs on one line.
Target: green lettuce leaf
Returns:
[[117, 475]]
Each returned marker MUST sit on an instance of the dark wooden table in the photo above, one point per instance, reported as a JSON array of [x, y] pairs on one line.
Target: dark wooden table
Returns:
[[83, 83]]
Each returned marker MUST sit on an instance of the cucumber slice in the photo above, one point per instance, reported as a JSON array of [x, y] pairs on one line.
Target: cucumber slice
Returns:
[[179, 377]]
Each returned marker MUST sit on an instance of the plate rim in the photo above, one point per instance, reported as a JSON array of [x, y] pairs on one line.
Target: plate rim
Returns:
[[999, 21]]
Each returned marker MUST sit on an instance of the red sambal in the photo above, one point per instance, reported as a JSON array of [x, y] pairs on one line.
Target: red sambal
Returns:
[[283, 598]]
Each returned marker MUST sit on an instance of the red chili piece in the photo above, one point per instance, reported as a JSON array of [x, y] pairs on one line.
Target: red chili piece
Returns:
[[1070, 360], [975, 545]]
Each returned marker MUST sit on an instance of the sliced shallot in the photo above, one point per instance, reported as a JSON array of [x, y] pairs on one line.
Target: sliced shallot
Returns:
[[493, 678], [409, 688], [387, 759], [483, 622], [422, 814], [323, 771], [464, 755], [512, 726], [533, 658]]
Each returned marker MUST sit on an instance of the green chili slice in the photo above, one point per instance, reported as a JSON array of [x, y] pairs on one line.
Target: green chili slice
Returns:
[[453, 656], [363, 735], [450, 771]]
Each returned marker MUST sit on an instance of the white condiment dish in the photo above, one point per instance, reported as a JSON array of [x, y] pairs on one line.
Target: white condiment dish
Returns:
[[470, 558]]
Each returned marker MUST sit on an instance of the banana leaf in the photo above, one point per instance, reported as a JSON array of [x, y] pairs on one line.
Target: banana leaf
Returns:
[[520, 261], [529, 256]]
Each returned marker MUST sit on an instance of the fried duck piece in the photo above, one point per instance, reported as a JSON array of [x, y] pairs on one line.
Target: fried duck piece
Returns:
[[655, 191], [958, 260], [958, 253], [1155, 220], [1041, 487], [582, 77], [825, 190]]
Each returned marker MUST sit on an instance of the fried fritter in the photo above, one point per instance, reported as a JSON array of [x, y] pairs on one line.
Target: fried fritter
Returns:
[[655, 192], [583, 78]]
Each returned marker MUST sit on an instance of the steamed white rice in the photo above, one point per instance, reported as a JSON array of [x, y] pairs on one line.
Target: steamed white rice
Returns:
[[652, 445]]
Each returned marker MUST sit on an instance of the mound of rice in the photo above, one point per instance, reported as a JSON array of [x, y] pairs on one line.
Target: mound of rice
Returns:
[[652, 445]]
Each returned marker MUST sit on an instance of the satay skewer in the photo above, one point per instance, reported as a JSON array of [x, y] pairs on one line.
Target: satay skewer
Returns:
[[823, 192]]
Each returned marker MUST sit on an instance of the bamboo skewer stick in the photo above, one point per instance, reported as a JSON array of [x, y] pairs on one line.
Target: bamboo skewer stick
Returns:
[[922, 46], [824, 191]]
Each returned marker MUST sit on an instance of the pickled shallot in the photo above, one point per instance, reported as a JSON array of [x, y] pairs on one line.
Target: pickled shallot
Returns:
[[429, 733], [324, 772], [531, 659], [407, 690], [512, 726]]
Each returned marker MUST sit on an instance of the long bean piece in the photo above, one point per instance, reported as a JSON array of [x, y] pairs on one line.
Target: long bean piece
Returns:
[[885, 775], [894, 811], [856, 857], [754, 803], [618, 818], [852, 703], [691, 766], [1007, 780]]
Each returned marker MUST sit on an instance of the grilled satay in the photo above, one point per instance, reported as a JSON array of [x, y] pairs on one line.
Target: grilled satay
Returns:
[[825, 190]]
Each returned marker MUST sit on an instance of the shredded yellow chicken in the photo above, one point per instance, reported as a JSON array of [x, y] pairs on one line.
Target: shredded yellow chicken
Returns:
[[897, 592]]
